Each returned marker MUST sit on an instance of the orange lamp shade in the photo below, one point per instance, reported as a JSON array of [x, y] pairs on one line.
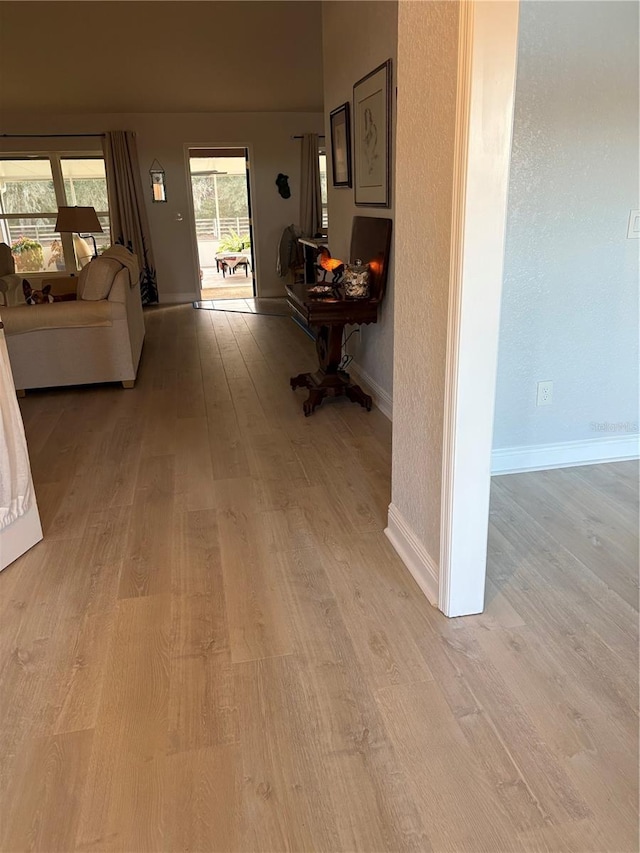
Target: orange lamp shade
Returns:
[[328, 263]]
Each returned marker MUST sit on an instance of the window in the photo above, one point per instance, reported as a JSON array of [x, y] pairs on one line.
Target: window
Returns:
[[31, 190], [322, 156]]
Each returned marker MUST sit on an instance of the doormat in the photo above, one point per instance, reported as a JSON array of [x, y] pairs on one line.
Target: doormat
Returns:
[[275, 307]]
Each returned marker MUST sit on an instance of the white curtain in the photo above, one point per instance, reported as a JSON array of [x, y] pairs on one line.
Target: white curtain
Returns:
[[16, 491], [310, 193], [128, 215]]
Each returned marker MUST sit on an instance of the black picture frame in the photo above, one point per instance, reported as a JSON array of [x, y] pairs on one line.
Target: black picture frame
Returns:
[[372, 137], [340, 123]]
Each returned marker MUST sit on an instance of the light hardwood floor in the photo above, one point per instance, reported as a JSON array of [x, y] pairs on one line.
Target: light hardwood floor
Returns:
[[216, 648]]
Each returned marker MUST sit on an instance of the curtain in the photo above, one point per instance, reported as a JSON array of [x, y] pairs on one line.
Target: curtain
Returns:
[[310, 193], [128, 215]]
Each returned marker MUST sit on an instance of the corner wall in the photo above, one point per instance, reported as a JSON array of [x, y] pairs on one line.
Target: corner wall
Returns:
[[427, 75], [570, 295], [163, 136], [356, 38]]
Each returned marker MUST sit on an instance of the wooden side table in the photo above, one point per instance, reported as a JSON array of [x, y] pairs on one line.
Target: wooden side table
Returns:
[[327, 316]]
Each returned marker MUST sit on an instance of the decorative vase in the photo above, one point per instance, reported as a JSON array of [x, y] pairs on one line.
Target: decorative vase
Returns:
[[356, 280]]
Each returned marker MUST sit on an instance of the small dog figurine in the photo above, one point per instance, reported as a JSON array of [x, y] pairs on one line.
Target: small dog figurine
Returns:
[[42, 297]]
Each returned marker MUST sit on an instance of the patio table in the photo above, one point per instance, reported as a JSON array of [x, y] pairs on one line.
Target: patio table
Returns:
[[230, 260]]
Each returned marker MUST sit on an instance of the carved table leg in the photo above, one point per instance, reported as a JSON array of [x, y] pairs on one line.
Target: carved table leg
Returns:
[[357, 395], [302, 380], [329, 379], [316, 396]]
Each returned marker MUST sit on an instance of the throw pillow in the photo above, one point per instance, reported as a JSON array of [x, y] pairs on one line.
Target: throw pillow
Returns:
[[95, 280]]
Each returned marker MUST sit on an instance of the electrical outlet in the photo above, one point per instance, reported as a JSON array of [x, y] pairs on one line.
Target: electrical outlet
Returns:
[[544, 396]]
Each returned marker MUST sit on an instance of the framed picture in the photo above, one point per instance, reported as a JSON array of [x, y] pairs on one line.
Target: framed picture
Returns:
[[372, 137], [341, 145]]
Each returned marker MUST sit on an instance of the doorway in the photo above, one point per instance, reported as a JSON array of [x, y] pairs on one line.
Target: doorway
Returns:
[[222, 215]]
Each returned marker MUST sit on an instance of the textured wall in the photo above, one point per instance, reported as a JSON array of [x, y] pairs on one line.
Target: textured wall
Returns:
[[570, 297], [427, 69], [163, 136], [356, 38]]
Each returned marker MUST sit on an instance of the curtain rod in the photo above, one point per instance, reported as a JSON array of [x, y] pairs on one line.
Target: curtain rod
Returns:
[[45, 135], [320, 136]]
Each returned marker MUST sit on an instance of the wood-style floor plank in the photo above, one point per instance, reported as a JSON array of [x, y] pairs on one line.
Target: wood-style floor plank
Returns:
[[123, 796], [256, 610], [202, 707], [201, 808], [446, 777], [215, 647], [42, 813]]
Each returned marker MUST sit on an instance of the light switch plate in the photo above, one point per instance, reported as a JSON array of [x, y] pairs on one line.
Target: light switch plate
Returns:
[[633, 229]]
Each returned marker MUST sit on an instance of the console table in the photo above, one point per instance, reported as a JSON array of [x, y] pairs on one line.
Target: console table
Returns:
[[327, 316]]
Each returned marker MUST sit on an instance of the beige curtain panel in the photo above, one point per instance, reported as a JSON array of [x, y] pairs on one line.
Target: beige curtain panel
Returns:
[[310, 193], [129, 224]]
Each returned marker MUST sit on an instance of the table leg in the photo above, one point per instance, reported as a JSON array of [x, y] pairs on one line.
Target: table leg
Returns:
[[329, 380], [357, 395]]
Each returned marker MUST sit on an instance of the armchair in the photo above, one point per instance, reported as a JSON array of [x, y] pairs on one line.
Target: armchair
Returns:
[[10, 283]]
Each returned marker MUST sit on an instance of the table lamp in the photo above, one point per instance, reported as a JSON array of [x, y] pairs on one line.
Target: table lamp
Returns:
[[77, 220]]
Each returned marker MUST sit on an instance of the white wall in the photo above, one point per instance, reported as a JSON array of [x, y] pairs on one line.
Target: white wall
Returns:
[[356, 38], [163, 136], [570, 297]]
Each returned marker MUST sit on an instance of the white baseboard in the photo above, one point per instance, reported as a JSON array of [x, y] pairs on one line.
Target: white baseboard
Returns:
[[381, 398], [566, 454], [413, 554], [172, 298]]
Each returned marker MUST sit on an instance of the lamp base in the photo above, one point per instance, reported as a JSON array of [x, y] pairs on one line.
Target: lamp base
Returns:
[[93, 240]]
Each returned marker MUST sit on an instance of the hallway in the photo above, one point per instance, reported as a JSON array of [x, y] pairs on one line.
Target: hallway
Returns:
[[216, 648]]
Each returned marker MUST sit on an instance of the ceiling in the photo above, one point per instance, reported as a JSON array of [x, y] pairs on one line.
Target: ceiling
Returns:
[[160, 56]]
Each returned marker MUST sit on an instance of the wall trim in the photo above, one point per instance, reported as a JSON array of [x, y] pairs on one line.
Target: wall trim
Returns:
[[381, 398], [413, 554], [171, 298], [485, 94], [565, 454], [460, 157]]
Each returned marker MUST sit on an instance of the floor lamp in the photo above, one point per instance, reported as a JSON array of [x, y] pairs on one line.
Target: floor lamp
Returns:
[[80, 221]]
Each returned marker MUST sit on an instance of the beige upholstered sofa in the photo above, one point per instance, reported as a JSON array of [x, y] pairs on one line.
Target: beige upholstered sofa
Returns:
[[97, 338]]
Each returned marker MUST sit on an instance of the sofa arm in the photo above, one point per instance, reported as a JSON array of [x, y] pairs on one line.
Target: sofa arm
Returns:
[[11, 290], [118, 292]]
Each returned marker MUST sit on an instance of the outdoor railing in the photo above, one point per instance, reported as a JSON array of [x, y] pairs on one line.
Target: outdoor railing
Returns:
[[215, 229], [45, 233]]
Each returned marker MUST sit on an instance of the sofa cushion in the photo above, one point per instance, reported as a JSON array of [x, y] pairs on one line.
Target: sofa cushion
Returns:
[[96, 278], [60, 315]]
